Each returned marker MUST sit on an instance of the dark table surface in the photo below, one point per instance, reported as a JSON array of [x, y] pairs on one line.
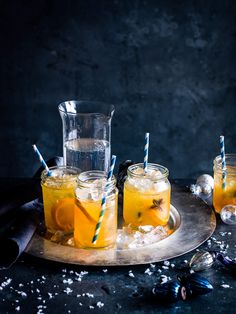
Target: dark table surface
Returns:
[[34, 285]]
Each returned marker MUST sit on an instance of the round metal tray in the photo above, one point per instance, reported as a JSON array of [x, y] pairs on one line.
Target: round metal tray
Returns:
[[192, 220]]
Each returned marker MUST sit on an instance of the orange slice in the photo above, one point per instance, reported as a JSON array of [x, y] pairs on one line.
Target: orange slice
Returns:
[[63, 214]]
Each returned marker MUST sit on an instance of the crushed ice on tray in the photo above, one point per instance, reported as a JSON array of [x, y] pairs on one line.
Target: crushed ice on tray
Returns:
[[145, 235]]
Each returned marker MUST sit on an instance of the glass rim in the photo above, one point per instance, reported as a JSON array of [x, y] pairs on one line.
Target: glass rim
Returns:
[[85, 178], [163, 169], [74, 171], [230, 160], [105, 110]]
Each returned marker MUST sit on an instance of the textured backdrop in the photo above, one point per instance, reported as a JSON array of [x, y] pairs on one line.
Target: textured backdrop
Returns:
[[168, 66]]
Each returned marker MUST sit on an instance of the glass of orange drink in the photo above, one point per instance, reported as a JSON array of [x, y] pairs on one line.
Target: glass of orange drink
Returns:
[[89, 193], [224, 192], [59, 197], [146, 196]]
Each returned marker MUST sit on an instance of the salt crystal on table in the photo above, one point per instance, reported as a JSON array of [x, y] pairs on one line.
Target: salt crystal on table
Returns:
[[225, 286], [159, 271], [166, 263], [91, 307], [105, 270], [172, 265], [152, 265], [17, 308], [89, 295], [80, 304]]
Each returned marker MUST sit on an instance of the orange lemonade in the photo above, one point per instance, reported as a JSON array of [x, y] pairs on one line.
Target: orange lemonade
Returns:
[[59, 198], [147, 196], [91, 186], [224, 195]]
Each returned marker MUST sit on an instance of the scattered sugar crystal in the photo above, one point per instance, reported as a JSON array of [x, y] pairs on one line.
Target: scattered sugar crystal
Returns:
[[229, 233], [89, 295], [64, 270], [17, 308], [82, 273], [185, 261], [23, 294], [159, 271], [172, 265], [166, 263], [164, 279], [68, 281], [225, 286], [165, 267], [105, 270], [192, 271], [6, 283], [100, 304], [131, 274], [148, 272], [91, 307], [21, 285], [68, 290], [152, 265], [80, 304], [78, 295], [50, 295]]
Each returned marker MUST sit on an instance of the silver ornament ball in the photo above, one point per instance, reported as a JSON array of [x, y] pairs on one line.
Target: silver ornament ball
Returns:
[[205, 179], [228, 214]]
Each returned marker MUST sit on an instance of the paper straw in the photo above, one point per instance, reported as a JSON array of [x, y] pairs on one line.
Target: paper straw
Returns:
[[42, 160], [146, 147], [103, 203], [223, 163]]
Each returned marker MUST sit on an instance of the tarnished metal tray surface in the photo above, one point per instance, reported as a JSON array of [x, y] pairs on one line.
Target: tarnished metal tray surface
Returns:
[[192, 220]]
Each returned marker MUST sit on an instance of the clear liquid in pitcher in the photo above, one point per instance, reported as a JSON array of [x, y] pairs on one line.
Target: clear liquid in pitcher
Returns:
[[87, 154]]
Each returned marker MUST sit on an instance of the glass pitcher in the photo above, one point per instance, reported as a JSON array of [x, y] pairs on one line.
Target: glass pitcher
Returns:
[[86, 134]]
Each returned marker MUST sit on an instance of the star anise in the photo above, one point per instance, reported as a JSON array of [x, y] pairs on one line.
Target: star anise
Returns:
[[157, 204]]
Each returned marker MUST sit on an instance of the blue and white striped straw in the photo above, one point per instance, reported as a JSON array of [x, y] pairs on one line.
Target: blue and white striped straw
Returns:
[[146, 147], [223, 163], [104, 200], [42, 160]]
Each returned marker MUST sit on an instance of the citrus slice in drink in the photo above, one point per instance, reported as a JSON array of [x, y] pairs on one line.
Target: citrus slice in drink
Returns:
[[89, 209], [63, 214]]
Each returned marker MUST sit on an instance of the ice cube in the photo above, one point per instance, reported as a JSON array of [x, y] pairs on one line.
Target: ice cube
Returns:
[[82, 194], [143, 184], [160, 186]]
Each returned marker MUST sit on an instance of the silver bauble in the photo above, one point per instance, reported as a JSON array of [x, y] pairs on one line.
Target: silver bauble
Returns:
[[228, 214]]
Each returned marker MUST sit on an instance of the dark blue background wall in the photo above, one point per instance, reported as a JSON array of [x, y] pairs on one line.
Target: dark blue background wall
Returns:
[[168, 66]]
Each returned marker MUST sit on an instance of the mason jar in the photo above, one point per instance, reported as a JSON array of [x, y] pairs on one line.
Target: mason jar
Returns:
[[146, 195], [91, 188], [224, 192], [59, 197]]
